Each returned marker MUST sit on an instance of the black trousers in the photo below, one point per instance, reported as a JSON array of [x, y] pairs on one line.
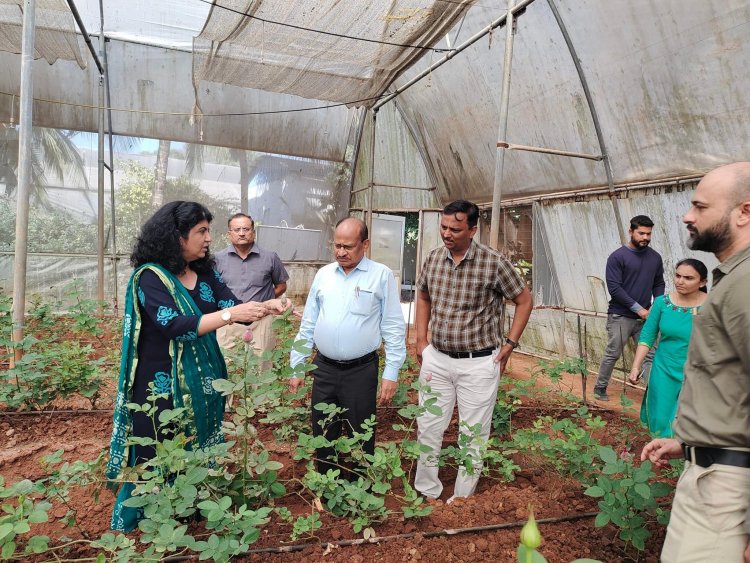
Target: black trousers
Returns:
[[351, 388]]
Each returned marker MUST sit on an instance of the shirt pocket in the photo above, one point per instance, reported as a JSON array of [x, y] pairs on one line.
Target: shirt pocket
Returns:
[[362, 303], [705, 348]]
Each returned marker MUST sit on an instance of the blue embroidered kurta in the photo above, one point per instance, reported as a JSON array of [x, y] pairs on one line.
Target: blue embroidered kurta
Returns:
[[161, 346]]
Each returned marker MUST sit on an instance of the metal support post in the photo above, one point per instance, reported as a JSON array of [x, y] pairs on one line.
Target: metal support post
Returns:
[[503, 128], [25, 137]]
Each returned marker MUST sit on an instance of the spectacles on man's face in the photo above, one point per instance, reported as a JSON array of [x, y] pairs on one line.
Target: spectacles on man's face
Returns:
[[242, 230]]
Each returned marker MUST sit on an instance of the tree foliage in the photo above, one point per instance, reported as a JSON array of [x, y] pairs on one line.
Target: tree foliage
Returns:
[[133, 203]]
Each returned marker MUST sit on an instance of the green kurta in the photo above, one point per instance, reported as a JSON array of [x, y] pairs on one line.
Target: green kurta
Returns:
[[673, 325]]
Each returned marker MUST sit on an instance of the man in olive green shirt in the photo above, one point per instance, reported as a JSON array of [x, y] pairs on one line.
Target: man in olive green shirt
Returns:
[[711, 510]]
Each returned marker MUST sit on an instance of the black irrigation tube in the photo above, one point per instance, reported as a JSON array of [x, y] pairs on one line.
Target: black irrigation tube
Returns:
[[410, 535], [71, 411]]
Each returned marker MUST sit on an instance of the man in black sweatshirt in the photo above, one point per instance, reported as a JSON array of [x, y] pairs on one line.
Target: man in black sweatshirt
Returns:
[[635, 275]]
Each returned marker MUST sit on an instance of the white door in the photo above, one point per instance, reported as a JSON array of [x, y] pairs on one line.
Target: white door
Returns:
[[387, 242]]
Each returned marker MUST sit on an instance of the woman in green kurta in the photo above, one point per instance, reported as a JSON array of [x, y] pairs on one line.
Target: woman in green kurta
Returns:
[[671, 319]]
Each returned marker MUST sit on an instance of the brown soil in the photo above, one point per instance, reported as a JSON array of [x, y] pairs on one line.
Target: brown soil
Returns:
[[25, 438]]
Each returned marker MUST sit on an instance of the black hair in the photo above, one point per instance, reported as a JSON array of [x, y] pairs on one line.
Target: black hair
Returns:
[[237, 216], [159, 239], [640, 221], [699, 267], [467, 208], [364, 233]]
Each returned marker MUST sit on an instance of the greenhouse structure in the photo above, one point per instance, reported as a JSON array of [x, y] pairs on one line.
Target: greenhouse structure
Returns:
[[560, 119], [561, 126]]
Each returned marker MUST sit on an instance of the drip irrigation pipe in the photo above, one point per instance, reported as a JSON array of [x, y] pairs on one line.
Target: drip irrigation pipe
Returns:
[[410, 535], [73, 411]]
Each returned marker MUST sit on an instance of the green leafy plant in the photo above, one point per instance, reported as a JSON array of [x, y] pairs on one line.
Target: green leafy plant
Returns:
[[566, 444], [19, 511], [629, 496], [84, 312]]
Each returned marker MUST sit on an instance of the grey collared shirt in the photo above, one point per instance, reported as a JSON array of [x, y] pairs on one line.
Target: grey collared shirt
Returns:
[[714, 407], [254, 278]]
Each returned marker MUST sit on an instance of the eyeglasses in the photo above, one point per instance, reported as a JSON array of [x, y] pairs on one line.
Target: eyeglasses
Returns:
[[241, 230]]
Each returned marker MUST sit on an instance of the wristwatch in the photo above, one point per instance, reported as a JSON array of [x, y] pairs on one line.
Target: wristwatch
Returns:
[[226, 316], [513, 343]]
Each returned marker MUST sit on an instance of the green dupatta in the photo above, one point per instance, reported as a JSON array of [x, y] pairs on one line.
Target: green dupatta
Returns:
[[196, 362]]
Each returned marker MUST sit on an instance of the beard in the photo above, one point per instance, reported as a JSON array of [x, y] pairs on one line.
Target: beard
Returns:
[[713, 239], [640, 244]]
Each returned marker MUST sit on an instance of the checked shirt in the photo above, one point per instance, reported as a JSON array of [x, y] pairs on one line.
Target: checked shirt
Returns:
[[467, 298]]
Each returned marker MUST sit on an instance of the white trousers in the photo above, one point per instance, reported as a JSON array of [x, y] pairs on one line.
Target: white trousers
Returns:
[[473, 382], [708, 514]]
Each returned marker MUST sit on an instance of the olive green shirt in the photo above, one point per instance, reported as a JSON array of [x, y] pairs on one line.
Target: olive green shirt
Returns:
[[714, 407]]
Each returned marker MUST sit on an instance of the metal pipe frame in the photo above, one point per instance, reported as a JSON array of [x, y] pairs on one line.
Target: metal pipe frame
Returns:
[[111, 168], [370, 186], [398, 209], [86, 37], [515, 147], [25, 137], [498, 22], [379, 185], [497, 191], [355, 157], [592, 111], [100, 196], [621, 188]]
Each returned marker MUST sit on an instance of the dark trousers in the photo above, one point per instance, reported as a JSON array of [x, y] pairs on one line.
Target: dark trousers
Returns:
[[351, 388]]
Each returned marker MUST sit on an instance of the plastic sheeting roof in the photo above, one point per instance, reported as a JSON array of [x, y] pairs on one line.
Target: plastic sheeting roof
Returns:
[[668, 80], [56, 30], [323, 49]]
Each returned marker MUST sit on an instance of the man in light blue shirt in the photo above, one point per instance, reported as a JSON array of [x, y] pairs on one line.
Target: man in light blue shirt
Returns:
[[352, 307]]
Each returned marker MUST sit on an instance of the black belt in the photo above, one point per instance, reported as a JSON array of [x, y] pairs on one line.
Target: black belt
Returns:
[[706, 457], [462, 355], [366, 359]]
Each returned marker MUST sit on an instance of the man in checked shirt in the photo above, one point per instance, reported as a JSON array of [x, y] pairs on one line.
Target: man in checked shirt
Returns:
[[460, 293]]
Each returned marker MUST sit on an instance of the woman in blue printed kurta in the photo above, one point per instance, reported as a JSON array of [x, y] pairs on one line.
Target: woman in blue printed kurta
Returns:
[[174, 302], [671, 319]]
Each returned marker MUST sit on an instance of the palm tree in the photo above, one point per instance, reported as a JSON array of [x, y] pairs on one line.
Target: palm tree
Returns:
[[160, 180], [196, 155], [51, 150]]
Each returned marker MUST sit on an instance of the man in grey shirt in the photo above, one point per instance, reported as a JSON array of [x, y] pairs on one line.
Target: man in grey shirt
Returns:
[[253, 274], [710, 518]]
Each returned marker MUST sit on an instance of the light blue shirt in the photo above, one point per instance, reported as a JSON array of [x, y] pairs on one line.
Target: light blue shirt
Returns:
[[347, 316]]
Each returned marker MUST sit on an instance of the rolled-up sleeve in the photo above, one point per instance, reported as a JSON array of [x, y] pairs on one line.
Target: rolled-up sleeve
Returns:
[[307, 325], [392, 328]]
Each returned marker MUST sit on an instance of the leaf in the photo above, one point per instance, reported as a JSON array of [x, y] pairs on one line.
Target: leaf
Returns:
[[8, 550], [607, 454], [660, 489], [223, 386], [526, 555], [22, 487], [602, 519], [196, 475], [5, 530], [594, 491], [37, 544], [643, 489]]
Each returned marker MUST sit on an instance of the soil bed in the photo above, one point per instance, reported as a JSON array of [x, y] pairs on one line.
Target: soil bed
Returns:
[[83, 436]]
